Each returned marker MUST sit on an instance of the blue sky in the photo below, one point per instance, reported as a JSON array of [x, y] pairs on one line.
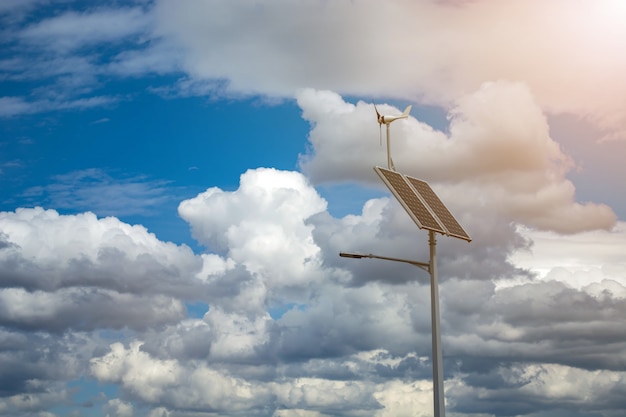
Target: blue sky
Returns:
[[155, 151], [177, 179]]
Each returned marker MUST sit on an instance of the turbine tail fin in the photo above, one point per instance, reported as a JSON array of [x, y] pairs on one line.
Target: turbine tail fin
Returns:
[[406, 111], [380, 125]]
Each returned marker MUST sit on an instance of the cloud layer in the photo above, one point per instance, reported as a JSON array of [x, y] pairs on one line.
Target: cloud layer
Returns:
[[569, 56], [313, 332], [429, 52], [290, 325], [74, 269]]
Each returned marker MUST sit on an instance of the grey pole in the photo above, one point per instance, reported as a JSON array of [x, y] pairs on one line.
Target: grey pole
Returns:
[[389, 165], [438, 393]]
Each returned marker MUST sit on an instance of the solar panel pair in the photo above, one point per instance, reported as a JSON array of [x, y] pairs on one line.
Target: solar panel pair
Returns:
[[422, 204]]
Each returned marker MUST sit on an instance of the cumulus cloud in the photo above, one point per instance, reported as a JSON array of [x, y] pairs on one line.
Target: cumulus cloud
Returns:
[[261, 226], [488, 350], [578, 260], [358, 337], [35, 369], [76, 267], [118, 408], [532, 383], [498, 151], [184, 385]]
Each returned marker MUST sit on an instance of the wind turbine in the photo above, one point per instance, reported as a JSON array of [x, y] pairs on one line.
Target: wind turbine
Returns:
[[385, 119]]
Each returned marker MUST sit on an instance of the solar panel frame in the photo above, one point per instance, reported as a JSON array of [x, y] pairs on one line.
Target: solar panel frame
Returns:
[[422, 204]]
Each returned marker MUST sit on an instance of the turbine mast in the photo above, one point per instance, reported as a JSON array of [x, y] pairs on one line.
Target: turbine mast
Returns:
[[389, 160]]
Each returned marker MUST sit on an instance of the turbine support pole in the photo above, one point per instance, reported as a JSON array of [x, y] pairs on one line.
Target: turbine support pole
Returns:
[[389, 163]]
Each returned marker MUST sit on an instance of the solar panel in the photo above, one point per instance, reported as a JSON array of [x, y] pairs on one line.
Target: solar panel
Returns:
[[439, 209], [410, 200], [422, 204]]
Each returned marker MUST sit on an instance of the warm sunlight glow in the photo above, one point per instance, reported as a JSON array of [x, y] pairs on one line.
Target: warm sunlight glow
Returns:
[[604, 19]]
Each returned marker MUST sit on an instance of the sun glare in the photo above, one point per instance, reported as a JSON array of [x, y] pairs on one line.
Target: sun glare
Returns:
[[607, 14]]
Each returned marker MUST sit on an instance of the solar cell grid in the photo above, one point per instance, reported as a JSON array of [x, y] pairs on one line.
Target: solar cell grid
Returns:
[[410, 200], [437, 206], [422, 204]]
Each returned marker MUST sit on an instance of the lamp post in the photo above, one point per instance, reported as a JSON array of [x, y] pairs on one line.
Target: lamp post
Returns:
[[431, 268]]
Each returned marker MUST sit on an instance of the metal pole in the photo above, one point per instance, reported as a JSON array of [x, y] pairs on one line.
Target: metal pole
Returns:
[[438, 393], [388, 149]]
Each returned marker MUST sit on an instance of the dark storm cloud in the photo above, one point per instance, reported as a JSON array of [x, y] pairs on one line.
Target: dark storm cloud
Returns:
[[547, 322]]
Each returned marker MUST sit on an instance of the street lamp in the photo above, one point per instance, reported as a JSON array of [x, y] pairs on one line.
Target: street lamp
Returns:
[[428, 212], [431, 268], [423, 265]]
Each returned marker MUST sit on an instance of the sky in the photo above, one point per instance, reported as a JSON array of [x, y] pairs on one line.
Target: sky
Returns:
[[178, 177]]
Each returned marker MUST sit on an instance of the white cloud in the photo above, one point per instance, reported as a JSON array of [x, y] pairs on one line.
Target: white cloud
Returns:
[[167, 382], [15, 10], [236, 336], [405, 399], [158, 57], [498, 151], [95, 190], [77, 267], [594, 250], [85, 309], [72, 30], [144, 376], [11, 106], [261, 225], [353, 337], [591, 262], [64, 54], [119, 408], [428, 51], [193, 384], [531, 384], [17, 106]]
